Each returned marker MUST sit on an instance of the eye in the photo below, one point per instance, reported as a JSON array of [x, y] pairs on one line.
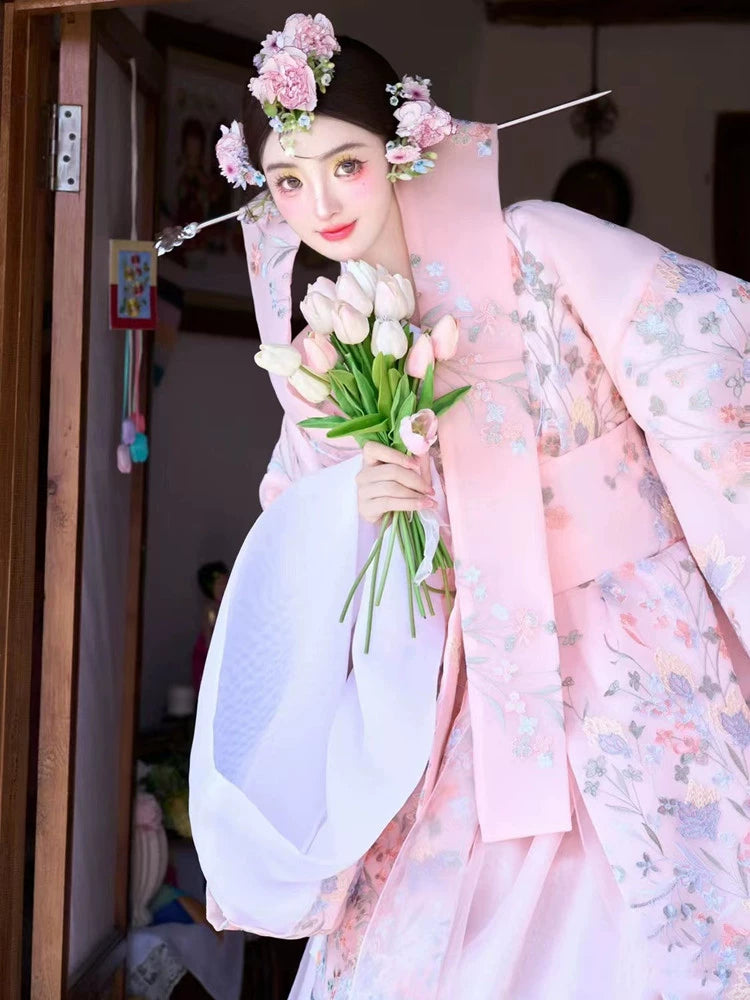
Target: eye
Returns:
[[348, 167], [288, 182]]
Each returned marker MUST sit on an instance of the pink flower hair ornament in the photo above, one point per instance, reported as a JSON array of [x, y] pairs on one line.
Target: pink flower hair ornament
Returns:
[[421, 123], [234, 162], [293, 65]]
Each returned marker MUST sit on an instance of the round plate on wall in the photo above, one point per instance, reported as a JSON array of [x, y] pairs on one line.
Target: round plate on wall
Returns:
[[597, 187]]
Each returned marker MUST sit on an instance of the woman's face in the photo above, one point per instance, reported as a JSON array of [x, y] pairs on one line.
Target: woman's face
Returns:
[[334, 191]]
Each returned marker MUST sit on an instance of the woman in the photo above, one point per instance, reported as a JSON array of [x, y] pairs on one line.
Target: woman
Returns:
[[411, 810]]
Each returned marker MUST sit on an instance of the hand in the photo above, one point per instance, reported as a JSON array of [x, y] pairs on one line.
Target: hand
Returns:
[[390, 480]]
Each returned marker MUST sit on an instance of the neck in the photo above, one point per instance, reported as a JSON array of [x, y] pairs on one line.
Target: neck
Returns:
[[390, 249]]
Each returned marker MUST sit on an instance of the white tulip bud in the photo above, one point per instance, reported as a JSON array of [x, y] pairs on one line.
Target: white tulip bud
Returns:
[[365, 275], [408, 292], [278, 359], [324, 286], [390, 302], [388, 337], [316, 308], [313, 388], [349, 290]]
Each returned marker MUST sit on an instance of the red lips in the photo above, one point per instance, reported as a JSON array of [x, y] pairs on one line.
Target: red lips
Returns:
[[338, 234]]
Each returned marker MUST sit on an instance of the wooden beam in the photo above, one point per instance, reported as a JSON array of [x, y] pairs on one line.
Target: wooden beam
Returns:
[[59, 679], [23, 204], [62, 6], [559, 12]]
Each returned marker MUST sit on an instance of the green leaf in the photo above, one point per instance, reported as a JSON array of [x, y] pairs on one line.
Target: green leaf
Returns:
[[394, 377], [322, 422], [399, 394], [427, 394], [370, 422], [445, 402], [366, 391], [342, 376], [378, 370], [344, 389], [408, 407], [385, 396]]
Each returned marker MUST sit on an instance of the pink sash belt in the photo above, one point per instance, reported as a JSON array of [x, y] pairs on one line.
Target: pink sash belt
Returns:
[[604, 505]]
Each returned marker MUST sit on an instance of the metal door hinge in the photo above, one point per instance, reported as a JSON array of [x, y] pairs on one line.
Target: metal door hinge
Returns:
[[64, 158]]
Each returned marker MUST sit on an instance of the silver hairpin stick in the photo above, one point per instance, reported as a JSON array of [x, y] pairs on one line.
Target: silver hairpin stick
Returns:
[[175, 236], [549, 111]]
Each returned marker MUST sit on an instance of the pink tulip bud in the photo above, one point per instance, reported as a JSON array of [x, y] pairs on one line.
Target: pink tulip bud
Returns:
[[420, 357], [419, 432], [445, 337], [349, 324], [320, 354]]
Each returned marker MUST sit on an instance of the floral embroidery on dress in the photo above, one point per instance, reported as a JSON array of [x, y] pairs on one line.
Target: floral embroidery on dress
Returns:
[[664, 732], [477, 132], [574, 395]]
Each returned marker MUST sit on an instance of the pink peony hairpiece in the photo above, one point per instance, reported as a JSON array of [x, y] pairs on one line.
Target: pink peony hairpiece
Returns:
[[421, 123], [234, 163], [293, 65]]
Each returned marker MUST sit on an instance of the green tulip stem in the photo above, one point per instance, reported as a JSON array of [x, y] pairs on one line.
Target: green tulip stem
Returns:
[[391, 542], [360, 576], [373, 578], [408, 549]]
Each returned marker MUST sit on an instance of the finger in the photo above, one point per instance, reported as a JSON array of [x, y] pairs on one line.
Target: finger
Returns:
[[388, 504], [374, 452], [384, 474], [389, 488]]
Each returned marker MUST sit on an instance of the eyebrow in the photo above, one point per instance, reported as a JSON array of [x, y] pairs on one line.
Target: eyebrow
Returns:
[[323, 156]]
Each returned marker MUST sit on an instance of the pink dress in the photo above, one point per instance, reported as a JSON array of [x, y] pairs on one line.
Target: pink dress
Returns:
[[646, 895], [435, 912]]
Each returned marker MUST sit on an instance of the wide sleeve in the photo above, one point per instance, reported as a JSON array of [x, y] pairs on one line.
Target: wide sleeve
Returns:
[[305, 747], [674, 334]]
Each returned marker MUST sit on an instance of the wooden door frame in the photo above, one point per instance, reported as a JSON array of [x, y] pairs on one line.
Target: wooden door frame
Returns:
[[24, 206]]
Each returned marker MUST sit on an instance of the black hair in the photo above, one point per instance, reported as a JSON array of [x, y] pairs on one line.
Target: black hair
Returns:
[[356, 94], [207, 575]]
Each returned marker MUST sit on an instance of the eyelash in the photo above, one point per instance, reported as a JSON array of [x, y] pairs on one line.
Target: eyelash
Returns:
[[279, 183]]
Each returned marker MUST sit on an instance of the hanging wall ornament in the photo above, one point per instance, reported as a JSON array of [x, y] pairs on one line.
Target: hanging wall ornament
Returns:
[[132, 299], [593, 185]]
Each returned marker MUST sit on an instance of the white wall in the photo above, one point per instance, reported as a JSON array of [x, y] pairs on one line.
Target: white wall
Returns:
[[214, 423], [669, 82]]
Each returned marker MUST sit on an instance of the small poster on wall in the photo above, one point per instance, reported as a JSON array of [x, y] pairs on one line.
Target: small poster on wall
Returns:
[[132, 285]]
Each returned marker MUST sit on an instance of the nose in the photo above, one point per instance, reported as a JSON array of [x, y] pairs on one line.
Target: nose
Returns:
[[327, 204]]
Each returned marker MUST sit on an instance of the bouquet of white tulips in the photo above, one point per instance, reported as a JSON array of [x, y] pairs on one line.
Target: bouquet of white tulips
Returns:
[[362, 353]]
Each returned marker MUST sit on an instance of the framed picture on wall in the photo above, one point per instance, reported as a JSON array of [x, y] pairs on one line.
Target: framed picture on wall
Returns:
[[205, 84]]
